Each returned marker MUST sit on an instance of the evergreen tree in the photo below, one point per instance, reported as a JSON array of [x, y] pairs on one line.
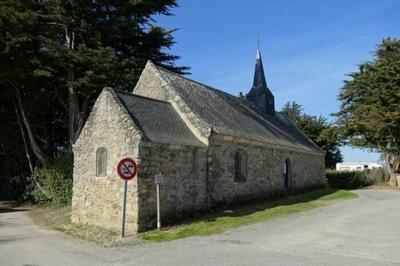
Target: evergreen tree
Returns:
[[105, 43], [24, 75], [55, 58], [318, 129], [370, 111]]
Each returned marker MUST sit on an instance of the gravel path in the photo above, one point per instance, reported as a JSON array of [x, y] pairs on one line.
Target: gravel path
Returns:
[[362, 231]]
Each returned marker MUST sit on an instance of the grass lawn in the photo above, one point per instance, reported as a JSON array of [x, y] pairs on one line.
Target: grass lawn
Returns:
[[60, 219], [250, 213]]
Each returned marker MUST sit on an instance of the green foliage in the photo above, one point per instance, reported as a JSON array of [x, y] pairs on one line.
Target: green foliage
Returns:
[[60, 55], [370, 111], [52, 184], [318, 129], [354, 179]]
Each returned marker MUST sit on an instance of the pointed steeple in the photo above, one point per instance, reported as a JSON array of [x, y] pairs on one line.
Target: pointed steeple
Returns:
[[259, 82], [260, 94]]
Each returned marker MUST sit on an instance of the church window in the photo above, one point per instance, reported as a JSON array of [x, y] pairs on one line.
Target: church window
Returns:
[[240, 166], [287, 173], [101, 162]]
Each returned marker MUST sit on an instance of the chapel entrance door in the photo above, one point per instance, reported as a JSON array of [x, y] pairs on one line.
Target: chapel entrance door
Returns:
[[286, 171]]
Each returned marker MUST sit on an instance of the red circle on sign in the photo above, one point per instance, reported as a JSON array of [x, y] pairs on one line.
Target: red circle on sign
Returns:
[[127, 169]]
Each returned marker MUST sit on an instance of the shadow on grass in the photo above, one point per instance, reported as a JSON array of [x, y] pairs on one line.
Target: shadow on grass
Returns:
[[252, 206], [246, 213], [259, 205]]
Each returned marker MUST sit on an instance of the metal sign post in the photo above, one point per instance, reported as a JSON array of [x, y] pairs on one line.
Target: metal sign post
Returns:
[[127, 169], [124, 208], [159, 180], [158, 208]]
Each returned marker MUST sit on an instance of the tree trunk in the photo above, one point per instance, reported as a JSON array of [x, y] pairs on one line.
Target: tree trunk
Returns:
[[393, 167], [28, 156], [73, 111], [34, 146], [49, 135], [74, 114], [37, 151]]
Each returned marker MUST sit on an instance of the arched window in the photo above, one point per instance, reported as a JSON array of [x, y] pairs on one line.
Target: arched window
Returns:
[[286, 173], [240, 166], [101, 162]]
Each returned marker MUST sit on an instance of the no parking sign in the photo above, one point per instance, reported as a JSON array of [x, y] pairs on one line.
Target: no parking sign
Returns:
[[127, 169]]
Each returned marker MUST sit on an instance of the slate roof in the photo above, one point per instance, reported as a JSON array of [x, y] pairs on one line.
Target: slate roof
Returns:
[[229, 115], [158, 120]]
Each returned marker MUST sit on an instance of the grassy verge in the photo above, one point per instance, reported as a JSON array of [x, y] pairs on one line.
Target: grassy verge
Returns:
[[251, 213], [59, 219]]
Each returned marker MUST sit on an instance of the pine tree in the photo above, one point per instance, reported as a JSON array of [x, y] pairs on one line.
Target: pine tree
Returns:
[[105, 43], [370, 109], [318, 129], [55, 58]]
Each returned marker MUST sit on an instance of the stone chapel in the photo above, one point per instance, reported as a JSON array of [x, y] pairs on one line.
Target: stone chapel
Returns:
[[212, 147]]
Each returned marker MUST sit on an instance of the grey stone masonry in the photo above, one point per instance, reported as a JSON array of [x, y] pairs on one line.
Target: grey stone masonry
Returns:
[[265, 165], [97, 199], [184, 189], [212, 148]]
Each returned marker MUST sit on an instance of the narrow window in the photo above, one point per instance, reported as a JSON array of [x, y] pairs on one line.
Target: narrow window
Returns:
[[101, 162], [240, 166], [286, 173]]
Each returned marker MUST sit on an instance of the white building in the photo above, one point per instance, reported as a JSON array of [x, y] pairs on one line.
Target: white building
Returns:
[[357, 166]]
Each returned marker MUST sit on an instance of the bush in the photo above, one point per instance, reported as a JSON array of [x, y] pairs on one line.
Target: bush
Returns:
[[354, 179], [52, 184]]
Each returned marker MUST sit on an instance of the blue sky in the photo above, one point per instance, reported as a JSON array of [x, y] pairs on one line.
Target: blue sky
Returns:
[[307, 46]]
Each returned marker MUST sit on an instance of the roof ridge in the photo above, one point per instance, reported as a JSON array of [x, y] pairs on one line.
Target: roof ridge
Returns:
[[189, 79], [140, 96], [247, 105], [274, 125]]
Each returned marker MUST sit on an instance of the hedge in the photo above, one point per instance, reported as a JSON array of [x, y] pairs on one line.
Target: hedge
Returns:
[[52, 184], [354, 179]]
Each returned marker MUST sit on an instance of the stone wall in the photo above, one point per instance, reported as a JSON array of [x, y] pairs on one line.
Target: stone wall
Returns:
[[196, 178], [150, 84], [98, 200], [264, 170], [184, 188]]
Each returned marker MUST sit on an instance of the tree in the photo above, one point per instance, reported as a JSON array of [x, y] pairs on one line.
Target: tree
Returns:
[[369, 115], [318, 129], [82, 47], [22, 72], [105, 43], [55, 58]]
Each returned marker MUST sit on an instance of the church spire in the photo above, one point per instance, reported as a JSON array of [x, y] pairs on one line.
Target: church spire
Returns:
[[259, 93], [259, 81]]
